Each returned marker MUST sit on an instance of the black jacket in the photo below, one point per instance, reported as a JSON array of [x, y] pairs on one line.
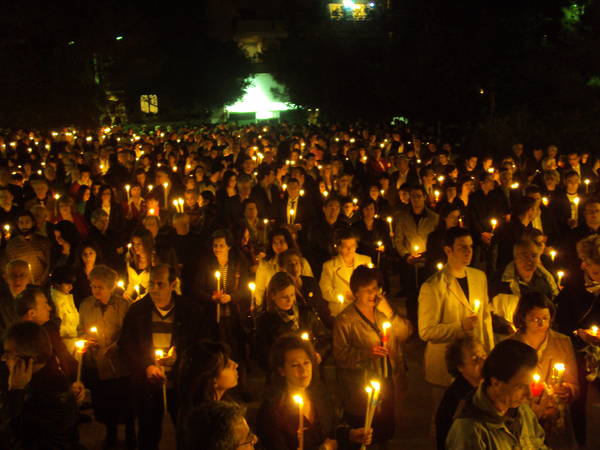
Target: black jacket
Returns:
[[444, 416]]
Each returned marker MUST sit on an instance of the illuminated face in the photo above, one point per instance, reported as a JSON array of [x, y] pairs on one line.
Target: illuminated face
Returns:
[[160, 289], [537, 320], [40, 188], [369, 211], [151, 224], [331, 211], [293, 266], [572, 184], [88, 256], [417, 199], [366, 296], [279, 244], [285, 299], [251, 211], [293, 190], [592, 214], [220, 247], [592, 270], [40, 313], [18, 277], [374, 192], [297, 369], [404, 197], [101, 290], [228, 377], [347, 248], [461, 252], [472, 361], [24, 223], [573, 159], [190, 199], [527, 260], [138, 245], [452, 219], [516, 391]]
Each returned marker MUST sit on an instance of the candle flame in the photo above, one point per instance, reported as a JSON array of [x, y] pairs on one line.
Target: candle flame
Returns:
[[386, 326], [594, 330], [80, 345], [218, 275], [379, 243], [298, 400], [545, 201], [159, 354], [389, 219], [368, 389], [252, 286], [305, 336], [94, 330], [560, 367], [439, 266], [376, 385], [537, 378], [340, 298], [476, 304], [121, 284], [127, 187]]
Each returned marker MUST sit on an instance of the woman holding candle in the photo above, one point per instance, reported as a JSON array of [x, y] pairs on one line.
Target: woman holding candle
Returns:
[[292, 363], [286, 315], [578, 310], [66, 211], [138, 261], [88, 257], [279, 241], [67, 240], [104, 371], [360, 353], [449, 217], [533, 319]]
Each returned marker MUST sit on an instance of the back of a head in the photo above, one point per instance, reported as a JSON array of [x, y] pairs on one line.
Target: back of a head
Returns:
[[211, 426], [506, 359], [29, 340]]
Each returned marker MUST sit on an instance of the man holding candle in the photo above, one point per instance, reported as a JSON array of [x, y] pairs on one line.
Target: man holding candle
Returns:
[[447, 308], [497, 414], [161, 320]]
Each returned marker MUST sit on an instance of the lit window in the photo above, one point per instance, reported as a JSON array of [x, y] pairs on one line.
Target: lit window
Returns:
[[149, 104]]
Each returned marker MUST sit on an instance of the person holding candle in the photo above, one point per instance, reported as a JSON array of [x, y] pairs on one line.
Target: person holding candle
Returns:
[[66, 211], [447, 309], [464, 360], [66, 245], [533, 319], [67, 314], [166, 321], [292, 363], [497, 414], [449, 217], [568, 206], [138, 261], [279, 241], [510, 232], [104, 370], [105, 200], [285, 315], [578, 310], [360, 353], [17, 276]]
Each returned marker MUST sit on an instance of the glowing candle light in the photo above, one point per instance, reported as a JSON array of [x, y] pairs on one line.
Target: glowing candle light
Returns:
[[136, 288], [150, 187], [355, 200], [252, 287], [514, 186], [79, 350], [494, 222], [441, 179], [325, 194], [536, 387], [292, 213], [300, 402], [373, 399], [166, 186], [558, 372], [379, 249], [436, 193], [94, 330], [560, 274], [305, 336], [218, 277], [476, 305], [158, 355], [594, 330], [369, 391], [416, 249], [121, 284], [440, 266], [340, 298], [545, 201], [151, 211], [552, 255], [127, 188], [389, 221], [587, 185]]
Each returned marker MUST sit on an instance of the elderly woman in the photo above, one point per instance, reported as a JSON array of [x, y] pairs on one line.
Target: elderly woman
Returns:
[[533, 319], [362, 350], [293, 361], [579, 310], [464, 359], [285, 315], [101, 319]]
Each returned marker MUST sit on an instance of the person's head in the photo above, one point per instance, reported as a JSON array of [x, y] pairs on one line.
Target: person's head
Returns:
[[331, 209], [591, 212], [291, 262], [458, 246], [293, 188], [26, 223], [25, 341], [17, 275], [588, 250], [365, 284], [105, 194], [99, 219], [163, 280], [217, 426], [207, 371], [486, 181], [571, 181], [62, 279], [526, 254], [40, 188], [6, 198], [142, 243], [417, 198], [65, 206], [222, 241], [573, 158], [191, 198], [508, 372], [347, 243], [281, 292], [89, 254], [465, 356], [181, 223], [280, 240], [66, 233], [534, 313], [292, 361], [103, 280], [152, 224], [524, 209], [450, 213], [32, 306]]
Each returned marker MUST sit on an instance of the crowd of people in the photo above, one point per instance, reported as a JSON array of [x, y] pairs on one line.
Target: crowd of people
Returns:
[[150, 272]]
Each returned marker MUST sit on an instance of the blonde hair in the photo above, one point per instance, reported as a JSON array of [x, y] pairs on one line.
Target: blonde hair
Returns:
[[588, 249]]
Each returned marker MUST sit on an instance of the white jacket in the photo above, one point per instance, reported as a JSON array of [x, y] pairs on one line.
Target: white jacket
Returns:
[[442, 306], [334, 283]]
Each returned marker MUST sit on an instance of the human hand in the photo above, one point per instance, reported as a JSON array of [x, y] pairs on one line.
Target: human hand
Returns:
[[486, 237], [169, 360], [155, 374], [412, 259], [78, 390], [225, 298], [563, 392], [20, 371], [468, 323], [379, 351], [329, 444], [360, 436], [588, 337]]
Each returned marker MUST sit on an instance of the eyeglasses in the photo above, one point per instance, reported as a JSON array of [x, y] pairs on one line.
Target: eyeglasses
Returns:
[[538, 320]]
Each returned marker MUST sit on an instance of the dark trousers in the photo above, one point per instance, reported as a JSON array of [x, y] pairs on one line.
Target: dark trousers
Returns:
[[150, 412], [578, 408]]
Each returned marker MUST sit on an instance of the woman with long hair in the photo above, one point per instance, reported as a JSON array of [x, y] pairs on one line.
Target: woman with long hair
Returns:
[[138, 262]]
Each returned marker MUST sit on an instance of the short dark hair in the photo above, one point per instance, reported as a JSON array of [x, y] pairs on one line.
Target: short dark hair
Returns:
[[506, 359], [169, 268], [455, 351], [529, 301], [523, 205], [31, 340], [343, 234], [452, 234], [26, 299], [211, 426], [363, 276], [283, 344], [223, 233]]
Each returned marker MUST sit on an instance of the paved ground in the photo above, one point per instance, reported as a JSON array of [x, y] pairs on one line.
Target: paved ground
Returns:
[[413, 435]]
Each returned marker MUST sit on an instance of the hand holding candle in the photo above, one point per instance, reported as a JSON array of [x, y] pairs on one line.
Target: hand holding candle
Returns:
[[79, 351], [476, 305], [536, 387], [560, 275], [373, 391], [159, 354], [299, 400], [493, 222]]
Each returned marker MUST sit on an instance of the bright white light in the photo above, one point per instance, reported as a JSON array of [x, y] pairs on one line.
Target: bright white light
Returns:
[[350, 4], [259, 98]]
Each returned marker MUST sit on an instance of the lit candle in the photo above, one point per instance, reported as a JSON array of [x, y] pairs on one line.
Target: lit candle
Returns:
[[439, 266], [79, 350], [379, 249], [575, 211], [416, 249], [121, 284], [176, 205], [266, 230], [151, 212], [384, 341], [158, 355], [340, 298], [56, 197], [150, 187], [325, 194], [440, 179], [436, 193], [476, 305], [300, 402], [252, 287], [558, 372], [165, 187], [180, 201], [369, 391], [127, 187], [355, 200], [560, 274], [587, 185], [545, 201], [374, 398], [514, 186], [594, 330], [536, 387], [137, 291], [494, 222], [94, 330], [389, 221], [552, 255], [218, 277], [305, 336], [292, 213]]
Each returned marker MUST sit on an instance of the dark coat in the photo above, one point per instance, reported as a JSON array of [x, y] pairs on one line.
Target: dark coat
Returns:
[[444, 416]]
